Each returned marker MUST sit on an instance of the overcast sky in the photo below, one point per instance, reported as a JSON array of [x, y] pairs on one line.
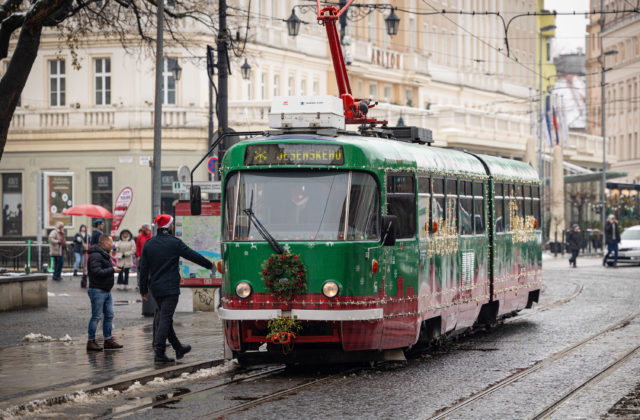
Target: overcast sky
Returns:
[[571, 30]]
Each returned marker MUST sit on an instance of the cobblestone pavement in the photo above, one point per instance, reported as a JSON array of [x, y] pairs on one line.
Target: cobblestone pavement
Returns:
[[30, 370], [575, 304]]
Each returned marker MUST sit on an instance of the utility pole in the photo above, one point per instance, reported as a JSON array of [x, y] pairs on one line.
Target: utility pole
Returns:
[[223, 76], [157, 116]]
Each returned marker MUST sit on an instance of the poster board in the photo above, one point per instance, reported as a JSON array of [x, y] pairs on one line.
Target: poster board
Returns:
[[202, 234], [58, 196]]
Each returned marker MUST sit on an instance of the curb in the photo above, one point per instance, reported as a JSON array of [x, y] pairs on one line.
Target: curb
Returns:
[[119, 384]]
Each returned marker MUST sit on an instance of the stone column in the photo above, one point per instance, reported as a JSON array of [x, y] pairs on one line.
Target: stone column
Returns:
[[557, 195]]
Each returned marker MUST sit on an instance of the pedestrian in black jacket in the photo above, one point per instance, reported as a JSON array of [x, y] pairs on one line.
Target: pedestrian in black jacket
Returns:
[[159, 272], [574, 242], [612, 238], [98, 226], [100, 283]]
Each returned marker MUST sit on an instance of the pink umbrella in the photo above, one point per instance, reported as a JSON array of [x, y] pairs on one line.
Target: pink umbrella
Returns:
[[91, 210]]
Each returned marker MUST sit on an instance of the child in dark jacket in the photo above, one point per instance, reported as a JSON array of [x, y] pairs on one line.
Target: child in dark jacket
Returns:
[[101, 272]]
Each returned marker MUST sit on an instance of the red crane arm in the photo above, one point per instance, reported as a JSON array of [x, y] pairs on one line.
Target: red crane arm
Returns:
[[352, 106]]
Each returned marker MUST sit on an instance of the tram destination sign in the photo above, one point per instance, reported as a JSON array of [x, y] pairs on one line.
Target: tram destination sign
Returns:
[[293, 154]]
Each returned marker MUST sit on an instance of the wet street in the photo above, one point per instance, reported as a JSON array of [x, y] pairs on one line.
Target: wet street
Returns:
[[574, 355]]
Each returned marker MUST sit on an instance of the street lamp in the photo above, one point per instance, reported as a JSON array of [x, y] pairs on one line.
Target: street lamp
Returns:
[[603, 127], [392, 22], [540, 163], [293, 23], [176, 71], [245, 69]]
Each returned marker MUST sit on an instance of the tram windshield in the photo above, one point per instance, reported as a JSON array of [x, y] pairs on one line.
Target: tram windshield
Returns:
[[303, 206]]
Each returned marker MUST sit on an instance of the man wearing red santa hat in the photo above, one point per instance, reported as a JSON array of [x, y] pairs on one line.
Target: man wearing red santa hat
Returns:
[[159, 272]]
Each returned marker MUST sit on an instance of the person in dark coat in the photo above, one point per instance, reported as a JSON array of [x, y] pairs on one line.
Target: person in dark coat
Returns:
[[160, 273], [98, 226], [101, 272], [80, 241], [612, 238], [574, 242]]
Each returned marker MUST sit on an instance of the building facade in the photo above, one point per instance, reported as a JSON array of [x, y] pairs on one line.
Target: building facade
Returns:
[[447, 72], [613, 44]]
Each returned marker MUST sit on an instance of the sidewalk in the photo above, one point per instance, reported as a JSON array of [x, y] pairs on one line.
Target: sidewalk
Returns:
[[43, 370]]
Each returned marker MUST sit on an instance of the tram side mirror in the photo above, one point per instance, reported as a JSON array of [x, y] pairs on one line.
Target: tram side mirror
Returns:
[[195, 199], [389, 228]]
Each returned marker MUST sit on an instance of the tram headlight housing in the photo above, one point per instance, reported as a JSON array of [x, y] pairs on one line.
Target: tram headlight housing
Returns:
[[330, 289], [243, 290]]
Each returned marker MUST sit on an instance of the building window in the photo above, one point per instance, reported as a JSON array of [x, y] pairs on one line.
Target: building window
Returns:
[[548, 52], [168, 82], [102, 193], [167, 196], [276, 85], [372, 27], [57, 83], [102, 69], [387, 93], [409, 96], [316, 87], [12, 204], [290, 86], [303, 87], [249, 87], [263, 86], [373, 90]]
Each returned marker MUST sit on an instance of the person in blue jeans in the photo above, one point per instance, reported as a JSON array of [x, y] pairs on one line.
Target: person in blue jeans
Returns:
[[612, 238], [101, 272], [80, 241]]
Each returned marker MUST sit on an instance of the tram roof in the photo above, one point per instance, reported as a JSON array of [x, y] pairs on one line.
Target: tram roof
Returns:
[[381, 153], [510, 170]]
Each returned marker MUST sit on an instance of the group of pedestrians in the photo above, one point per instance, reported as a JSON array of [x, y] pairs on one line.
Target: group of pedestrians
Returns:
[[611, 236], [158, 275]]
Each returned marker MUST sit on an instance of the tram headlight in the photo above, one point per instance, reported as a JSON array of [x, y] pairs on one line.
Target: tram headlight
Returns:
[[243, 289], [330, 289]]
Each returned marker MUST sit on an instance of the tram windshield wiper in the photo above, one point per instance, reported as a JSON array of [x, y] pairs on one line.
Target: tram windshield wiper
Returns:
[[261, 229]]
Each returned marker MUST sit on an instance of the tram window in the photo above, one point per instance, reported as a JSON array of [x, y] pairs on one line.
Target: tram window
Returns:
[[401, 184], [451, 187], [424, 185], [438, 186], [363, 208], [477, 189], [528, 210], [478, 208], [498, 189], [424, 206], [466, 208], [499, 215], [520, 200], [535, 191], [536, 210], [401, 202]]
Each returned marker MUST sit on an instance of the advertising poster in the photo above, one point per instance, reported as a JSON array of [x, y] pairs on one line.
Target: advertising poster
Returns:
[[12, 204], [202, 234], [58, 195], [120, 208]]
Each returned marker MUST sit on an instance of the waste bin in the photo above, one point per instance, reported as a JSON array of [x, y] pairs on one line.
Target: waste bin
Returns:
[[149, 306], [555, 247]]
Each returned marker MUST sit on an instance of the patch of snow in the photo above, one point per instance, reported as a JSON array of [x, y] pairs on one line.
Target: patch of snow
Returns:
[[41, 338]]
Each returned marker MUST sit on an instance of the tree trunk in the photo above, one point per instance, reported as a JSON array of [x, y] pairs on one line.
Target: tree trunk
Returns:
[[15, 78]]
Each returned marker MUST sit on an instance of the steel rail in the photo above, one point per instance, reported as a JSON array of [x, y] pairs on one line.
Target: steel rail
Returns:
[[527, 371], [181, 396], [608, 370], [542, 308]]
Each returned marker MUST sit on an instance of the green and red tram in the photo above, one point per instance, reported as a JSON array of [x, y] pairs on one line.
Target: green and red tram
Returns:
[[384, 243]]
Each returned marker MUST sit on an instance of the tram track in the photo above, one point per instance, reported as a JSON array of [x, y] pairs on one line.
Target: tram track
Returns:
[[168, 400], [462, 403], [602, 374], [576, 292], [236, 408]]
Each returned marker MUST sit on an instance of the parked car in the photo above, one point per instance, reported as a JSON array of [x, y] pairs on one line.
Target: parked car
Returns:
[[629, 251]]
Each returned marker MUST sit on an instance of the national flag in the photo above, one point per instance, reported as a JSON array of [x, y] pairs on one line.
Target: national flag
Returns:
[[555, 124], [546, 117]]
